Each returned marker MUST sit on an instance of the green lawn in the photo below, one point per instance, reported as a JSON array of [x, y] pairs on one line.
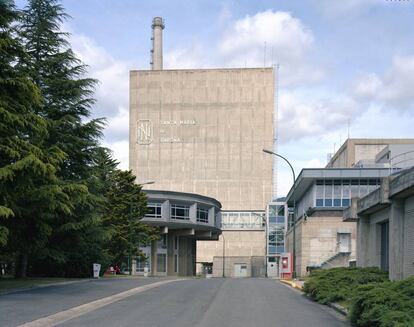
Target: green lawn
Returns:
[[8, 283]]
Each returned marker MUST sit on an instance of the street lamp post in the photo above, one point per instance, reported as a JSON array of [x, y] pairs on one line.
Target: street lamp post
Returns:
[[294, 208], [224, 249]]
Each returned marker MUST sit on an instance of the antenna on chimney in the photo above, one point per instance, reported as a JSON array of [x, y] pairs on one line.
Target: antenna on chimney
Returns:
[[156, 51]]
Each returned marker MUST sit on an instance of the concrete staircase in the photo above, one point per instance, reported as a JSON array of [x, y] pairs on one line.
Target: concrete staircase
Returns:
[[340, 259]]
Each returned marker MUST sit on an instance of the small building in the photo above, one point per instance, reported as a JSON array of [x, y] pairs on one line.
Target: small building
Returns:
[[317, 236], [183, 218], [242, 244], [385, 226]]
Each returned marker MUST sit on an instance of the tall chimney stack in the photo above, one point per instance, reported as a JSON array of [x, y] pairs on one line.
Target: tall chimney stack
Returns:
[[156, 52]]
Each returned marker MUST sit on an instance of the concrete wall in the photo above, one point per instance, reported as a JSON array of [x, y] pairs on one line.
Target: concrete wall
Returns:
[[203, 131], [400, 214], [317, 240], [256, 266], [369, 239], [237, 243]]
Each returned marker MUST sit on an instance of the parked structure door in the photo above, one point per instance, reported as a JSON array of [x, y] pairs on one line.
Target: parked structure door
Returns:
[[273, 267], [344, 242], [240, 270]]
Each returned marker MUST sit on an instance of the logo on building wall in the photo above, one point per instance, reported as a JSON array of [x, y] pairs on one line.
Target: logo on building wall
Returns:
[[144, 131]]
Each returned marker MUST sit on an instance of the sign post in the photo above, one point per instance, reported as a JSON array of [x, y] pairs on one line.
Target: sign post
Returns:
[[96, 270]]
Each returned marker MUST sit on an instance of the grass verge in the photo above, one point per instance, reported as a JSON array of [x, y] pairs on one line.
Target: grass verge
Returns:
[[9, 283]]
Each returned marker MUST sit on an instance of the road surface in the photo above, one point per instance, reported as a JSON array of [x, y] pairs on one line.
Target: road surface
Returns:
[[244, 302]]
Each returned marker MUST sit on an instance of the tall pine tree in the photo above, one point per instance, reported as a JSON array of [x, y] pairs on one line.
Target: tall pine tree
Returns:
[[67, 102], [126, 205], [28, 180]]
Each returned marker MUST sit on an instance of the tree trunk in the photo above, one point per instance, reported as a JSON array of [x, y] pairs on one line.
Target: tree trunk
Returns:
[[21, 266]]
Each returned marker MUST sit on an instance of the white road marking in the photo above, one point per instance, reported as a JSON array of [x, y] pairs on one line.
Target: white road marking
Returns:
[[80, 310]]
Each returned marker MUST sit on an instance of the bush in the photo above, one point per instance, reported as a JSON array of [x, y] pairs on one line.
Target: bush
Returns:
[[338, 284], [387, 304]]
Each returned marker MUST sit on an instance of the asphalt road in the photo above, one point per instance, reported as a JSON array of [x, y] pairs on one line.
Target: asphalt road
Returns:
[[20, 307], [196, 302]]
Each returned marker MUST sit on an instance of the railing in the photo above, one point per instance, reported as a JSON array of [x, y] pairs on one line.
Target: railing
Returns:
[[402, 161]]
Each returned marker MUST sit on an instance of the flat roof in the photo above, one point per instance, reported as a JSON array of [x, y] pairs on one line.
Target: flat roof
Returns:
[[308, 175], [201, 69], [183, 196]]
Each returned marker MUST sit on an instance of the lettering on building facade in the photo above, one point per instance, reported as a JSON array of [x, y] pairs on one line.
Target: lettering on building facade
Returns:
[[178, 122], [144, 131]]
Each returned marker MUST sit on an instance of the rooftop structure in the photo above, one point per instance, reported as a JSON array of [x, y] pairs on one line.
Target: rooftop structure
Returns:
[[363, 152]]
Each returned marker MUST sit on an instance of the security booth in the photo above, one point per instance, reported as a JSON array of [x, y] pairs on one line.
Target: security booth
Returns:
[[286, 266]]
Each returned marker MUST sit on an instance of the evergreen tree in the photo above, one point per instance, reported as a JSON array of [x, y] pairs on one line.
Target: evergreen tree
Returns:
[[67, 102], [29, 195], [126, 206]]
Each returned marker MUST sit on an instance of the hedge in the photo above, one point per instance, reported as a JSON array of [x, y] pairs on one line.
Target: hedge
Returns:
[[372, 299], [388, 304], [338, 284]]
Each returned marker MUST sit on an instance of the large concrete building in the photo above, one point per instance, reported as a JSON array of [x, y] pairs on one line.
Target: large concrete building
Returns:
[[202, 131]]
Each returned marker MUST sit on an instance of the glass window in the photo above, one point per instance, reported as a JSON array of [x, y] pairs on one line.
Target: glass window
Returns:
[[180, 212], [175, 242], [202, 215], [337, 193], [319, 193], [175, 262], [141, 263], [162, 262], [243, 220], [153, 210], [354, 188], [363, 188], [346, 193], [162, 242], [328, 193]]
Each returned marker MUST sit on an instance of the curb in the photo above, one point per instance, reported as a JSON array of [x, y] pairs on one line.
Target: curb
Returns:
[[291, 283], [335, 306], [338, 308]]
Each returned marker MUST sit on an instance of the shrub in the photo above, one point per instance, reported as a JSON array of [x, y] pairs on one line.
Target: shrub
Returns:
[[387, 304], [338, 284]]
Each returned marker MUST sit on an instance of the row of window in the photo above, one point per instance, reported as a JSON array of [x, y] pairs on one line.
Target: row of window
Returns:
[[243, 220], [276, 239], [178, 211], [337, 193]]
